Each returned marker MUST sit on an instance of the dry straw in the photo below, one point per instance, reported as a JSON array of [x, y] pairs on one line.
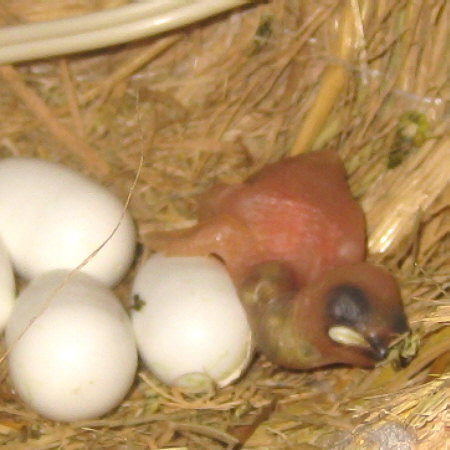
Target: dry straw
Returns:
[[216, 101]]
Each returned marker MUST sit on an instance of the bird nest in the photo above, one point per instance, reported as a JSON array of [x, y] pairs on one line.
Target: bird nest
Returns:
[[216, 101]]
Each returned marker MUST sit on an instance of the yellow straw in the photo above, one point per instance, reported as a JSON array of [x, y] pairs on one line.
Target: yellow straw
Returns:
[[332, 83]]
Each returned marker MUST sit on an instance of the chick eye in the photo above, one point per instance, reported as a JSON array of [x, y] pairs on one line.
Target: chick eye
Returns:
[[348, 304]]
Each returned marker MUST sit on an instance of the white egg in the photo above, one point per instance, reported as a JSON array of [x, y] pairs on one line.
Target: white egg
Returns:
[[54, 218], [190, 326], [72, 350], [7, 287]]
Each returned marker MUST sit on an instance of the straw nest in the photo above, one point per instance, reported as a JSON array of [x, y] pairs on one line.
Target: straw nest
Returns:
[[216, 101]]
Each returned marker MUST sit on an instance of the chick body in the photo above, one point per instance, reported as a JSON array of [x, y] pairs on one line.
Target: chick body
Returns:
[[291, 236]]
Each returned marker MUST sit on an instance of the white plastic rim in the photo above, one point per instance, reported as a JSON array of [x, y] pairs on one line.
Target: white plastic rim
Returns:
[[85, 22], [143, 19]]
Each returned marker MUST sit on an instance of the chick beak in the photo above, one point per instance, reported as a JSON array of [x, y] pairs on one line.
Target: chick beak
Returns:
[[344, 335], [379, 349]]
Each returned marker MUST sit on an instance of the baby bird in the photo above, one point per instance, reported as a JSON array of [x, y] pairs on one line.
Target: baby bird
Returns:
[[293, 239]]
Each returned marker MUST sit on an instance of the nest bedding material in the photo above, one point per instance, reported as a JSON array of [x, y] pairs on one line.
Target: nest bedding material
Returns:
[[216, 101]]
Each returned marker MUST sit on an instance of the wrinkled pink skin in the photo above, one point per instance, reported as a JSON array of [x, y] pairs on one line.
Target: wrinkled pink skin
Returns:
[[297, 212]]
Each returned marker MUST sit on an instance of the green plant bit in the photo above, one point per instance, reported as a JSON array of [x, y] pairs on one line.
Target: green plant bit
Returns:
[[412, 133]]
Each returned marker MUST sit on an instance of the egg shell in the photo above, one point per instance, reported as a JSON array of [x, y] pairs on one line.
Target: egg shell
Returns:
[[54, 218], [72, 350], [7, 287], [190, 326]]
